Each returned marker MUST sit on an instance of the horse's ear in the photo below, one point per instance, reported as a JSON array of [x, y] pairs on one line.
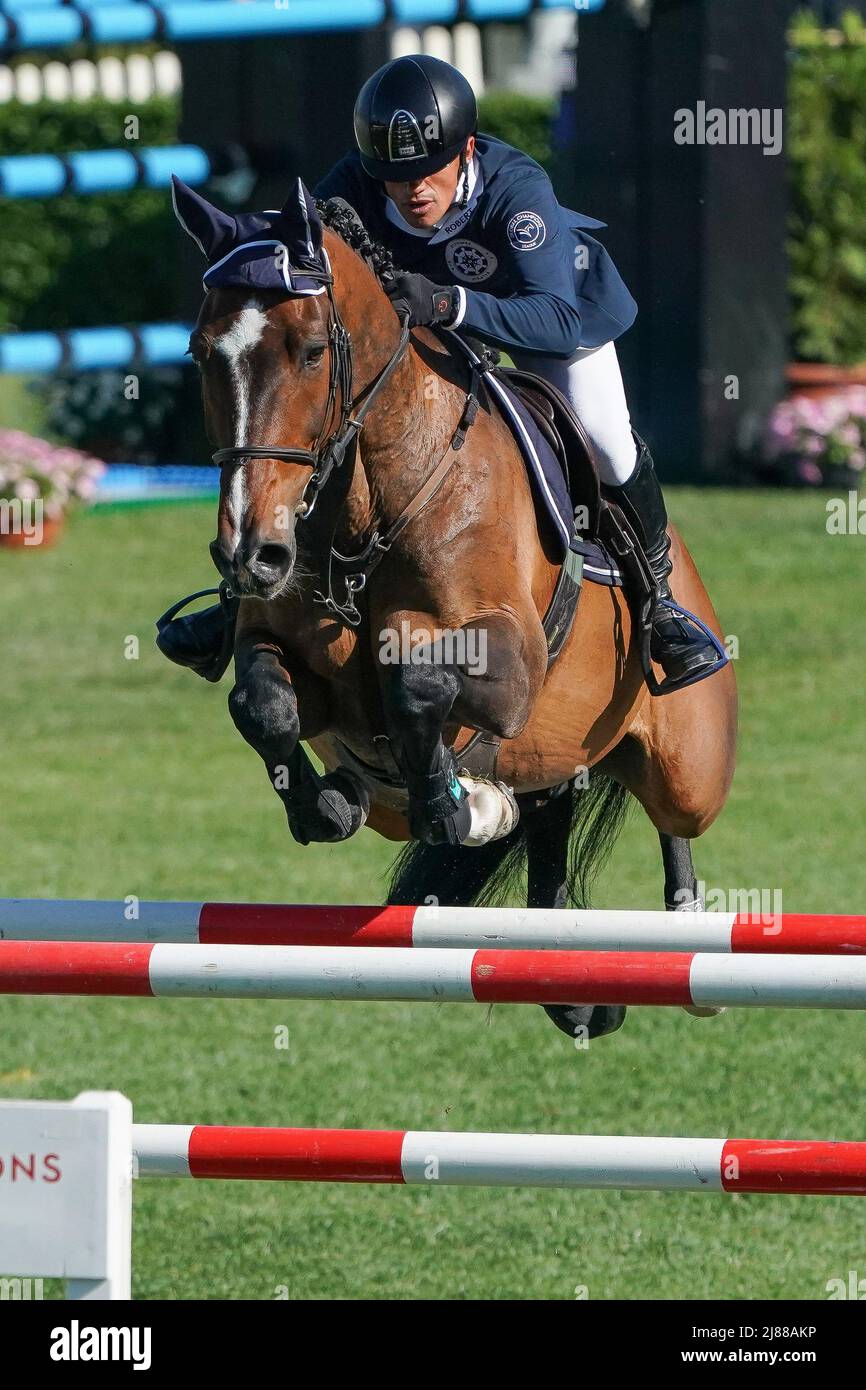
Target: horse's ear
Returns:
[[212, 230], [300, 225]]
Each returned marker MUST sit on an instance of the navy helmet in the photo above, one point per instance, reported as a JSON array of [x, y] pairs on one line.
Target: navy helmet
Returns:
[[412, 117]]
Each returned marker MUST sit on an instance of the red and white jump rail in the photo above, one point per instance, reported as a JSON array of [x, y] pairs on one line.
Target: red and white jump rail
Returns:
[[540, 929], [441, 976], [501, 1160]]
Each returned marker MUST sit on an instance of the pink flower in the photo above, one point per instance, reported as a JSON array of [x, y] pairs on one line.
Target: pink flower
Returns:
[[813, 445], [809, 473], [811, 413], [55, 471], [849, 434]]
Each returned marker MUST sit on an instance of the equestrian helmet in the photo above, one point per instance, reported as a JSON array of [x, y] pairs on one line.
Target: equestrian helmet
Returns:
[[412, 117]]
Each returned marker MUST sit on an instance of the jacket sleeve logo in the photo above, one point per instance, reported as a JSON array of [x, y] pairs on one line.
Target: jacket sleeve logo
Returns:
[[468, 261], [526, 231]]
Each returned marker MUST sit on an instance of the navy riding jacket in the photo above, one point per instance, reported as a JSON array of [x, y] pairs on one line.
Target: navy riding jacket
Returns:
[[529, 276]]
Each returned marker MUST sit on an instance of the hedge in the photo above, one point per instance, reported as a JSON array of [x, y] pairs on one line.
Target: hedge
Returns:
[[827, 149], [82, 262]]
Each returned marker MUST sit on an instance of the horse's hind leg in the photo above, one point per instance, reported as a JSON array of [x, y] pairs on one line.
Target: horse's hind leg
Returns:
[[548, 830], [681, 888], [681, 895], [547, 834]]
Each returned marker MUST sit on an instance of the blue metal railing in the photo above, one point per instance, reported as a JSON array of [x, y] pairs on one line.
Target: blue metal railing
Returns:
[[101, 171], [42, 25], [89, 349]]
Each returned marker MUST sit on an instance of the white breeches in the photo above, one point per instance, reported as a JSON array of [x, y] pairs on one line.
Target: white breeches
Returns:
[[592, 381]]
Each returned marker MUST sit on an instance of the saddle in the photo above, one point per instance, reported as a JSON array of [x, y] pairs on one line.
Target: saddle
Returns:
[[554, 416], [603, 520], [603, 525]]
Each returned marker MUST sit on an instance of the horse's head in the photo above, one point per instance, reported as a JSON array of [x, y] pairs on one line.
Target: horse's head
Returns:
[[261, 347]]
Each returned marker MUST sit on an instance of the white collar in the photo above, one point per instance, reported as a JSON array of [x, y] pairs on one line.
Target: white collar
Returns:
[[456, 216]]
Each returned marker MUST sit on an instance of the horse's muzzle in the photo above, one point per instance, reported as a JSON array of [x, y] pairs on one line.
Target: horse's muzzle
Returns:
[[255, 569]]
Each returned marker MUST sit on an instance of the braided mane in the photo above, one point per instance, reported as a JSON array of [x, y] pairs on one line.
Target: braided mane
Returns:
[[342, 218]]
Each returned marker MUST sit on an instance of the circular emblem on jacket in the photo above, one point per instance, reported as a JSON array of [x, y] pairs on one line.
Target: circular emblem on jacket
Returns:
[[469, 261], [526, 231]]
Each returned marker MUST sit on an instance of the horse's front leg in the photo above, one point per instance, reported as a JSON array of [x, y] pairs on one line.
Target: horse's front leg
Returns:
[[417, 701], [427, 680], [264, 707]]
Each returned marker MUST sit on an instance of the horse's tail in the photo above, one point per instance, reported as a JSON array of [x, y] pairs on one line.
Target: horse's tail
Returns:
[[598, 813], [490, 875]]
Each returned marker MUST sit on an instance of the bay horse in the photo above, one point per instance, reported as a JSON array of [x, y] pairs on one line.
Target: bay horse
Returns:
[[287, 367]]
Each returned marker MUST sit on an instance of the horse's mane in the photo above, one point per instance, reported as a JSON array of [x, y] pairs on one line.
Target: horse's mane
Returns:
[[342, 218]]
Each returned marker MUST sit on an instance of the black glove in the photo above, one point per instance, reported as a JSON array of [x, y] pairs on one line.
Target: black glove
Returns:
[[424, 303]]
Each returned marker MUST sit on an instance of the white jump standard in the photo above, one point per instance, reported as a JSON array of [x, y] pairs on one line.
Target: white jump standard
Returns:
[[435, 976]]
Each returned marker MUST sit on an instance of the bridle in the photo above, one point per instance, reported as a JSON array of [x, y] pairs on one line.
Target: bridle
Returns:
[[330, 448], [337, 442]]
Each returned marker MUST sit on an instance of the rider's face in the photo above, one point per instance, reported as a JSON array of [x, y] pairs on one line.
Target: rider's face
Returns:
[[425, 202]]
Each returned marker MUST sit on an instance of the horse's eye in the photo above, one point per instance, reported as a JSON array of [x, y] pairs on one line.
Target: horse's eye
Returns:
[[314, 355], [197, 350]]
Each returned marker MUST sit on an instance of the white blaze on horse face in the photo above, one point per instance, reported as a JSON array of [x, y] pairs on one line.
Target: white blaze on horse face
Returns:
[[236, 344]]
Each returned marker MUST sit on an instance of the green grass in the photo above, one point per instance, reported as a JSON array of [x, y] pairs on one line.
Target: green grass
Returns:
[[124, 777]]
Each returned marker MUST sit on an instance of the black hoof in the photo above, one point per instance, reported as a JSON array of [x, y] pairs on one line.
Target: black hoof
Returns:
[[328, 812], [595, 1019]]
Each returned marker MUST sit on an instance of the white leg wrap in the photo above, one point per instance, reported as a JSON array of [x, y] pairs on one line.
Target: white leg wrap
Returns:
[[493, 809]]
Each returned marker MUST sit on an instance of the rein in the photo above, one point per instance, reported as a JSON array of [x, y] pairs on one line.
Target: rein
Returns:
[[331, 450]]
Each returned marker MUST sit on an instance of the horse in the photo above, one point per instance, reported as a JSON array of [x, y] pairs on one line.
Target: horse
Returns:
[[340, 433]]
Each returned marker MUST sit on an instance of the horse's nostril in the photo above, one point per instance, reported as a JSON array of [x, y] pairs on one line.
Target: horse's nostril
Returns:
[[272, 557]]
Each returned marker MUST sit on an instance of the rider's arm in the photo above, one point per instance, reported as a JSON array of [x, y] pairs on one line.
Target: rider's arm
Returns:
[[529, 233]]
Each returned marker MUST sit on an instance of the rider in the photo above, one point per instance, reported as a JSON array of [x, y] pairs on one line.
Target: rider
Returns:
[[484, 246]]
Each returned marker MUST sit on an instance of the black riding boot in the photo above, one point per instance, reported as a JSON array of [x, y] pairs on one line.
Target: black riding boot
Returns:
[[202, 641], [683, 650]]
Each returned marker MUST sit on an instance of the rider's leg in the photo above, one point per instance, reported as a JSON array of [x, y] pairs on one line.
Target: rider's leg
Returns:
[[592, 381], [202, 640]]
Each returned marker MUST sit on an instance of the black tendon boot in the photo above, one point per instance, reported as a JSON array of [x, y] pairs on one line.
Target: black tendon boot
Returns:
[[686, 651]]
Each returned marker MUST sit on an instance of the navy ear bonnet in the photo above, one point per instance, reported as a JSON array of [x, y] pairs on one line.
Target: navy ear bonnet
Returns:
[[272, 250]]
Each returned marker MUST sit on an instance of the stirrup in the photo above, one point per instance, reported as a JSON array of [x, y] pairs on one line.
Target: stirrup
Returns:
[[671, 684]]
